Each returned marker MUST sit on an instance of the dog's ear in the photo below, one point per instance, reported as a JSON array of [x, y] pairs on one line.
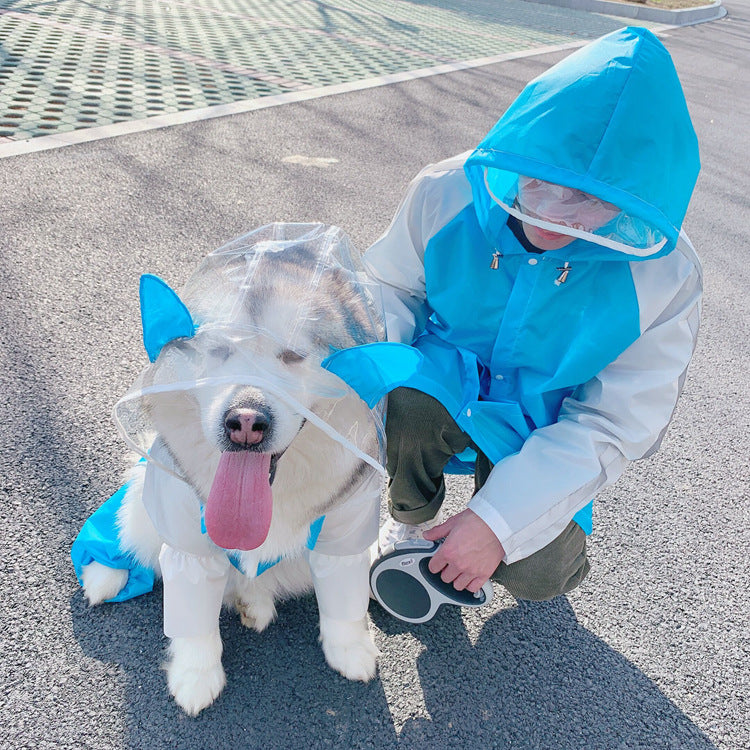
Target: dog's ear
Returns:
[[164, 316]]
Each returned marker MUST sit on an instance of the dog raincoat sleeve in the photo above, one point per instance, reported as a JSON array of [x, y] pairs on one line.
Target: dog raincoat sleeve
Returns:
[[193, 592], [562, 366]]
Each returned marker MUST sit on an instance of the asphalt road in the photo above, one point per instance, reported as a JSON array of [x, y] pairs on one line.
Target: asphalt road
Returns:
[[652, 652]]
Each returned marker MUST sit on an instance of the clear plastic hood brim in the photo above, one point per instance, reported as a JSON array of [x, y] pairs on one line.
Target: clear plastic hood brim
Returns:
[[626, 234], [139, 433]]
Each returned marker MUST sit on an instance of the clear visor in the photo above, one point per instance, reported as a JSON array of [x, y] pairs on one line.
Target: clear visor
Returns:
[[200, 393], [270, 307], [562, 210]]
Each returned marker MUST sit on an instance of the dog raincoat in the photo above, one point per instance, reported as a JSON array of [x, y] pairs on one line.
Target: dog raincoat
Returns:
[[253, 332], [565, 365]]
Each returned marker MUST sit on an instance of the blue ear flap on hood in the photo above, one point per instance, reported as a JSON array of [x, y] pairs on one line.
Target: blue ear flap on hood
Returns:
[[164, 316]]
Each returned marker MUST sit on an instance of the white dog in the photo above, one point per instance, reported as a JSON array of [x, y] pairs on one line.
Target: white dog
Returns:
[[254, 451]]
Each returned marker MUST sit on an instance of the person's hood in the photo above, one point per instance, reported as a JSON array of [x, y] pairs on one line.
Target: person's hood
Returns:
[[609, 120]]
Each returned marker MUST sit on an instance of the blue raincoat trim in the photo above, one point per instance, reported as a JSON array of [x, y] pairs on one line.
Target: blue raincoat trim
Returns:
[[99, 541], [312, 537]]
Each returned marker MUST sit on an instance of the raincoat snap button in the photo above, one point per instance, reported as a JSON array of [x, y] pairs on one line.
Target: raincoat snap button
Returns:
[[533, 261], [499, 377], [468, 412]]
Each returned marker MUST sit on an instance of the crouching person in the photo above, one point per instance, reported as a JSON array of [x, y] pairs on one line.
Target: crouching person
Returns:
[[553, 299]]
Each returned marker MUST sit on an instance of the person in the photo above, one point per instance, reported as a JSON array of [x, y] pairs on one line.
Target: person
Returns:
[[554, 302]]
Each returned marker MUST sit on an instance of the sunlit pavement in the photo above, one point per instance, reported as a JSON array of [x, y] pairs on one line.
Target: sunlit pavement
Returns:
[[68, 65]]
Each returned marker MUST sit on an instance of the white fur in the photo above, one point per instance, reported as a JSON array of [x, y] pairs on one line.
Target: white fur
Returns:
[[101, 583], [349, 648], [195, 676], [137, 534], [255, 598], [311, 471]]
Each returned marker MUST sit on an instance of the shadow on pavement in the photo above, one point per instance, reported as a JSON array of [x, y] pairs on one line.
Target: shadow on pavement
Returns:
[[536, 679], [280, 692]]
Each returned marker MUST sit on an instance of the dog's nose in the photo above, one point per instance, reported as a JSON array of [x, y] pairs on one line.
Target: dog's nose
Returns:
[[245, 426]]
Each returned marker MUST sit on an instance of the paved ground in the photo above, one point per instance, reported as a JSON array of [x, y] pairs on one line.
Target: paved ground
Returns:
[[651, 652], [68, 64]]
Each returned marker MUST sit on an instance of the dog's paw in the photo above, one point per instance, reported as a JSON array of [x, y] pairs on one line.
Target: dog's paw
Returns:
[[101, 583], [349, 648], [195, 689], [195, 676], [256, 614]]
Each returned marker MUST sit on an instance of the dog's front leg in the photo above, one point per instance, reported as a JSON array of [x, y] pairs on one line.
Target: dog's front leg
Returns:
[[343, 592], [193, 591], [195, 676]]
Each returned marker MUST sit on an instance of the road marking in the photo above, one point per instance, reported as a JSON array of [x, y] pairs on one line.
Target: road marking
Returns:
[[311, 161]]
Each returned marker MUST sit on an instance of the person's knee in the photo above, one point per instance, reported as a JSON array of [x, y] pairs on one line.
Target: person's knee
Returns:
[[408, 405], [556, 569], [542, 585], [414, 418]]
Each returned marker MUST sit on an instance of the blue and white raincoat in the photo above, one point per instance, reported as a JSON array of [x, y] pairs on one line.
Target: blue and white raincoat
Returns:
[[562, 366]]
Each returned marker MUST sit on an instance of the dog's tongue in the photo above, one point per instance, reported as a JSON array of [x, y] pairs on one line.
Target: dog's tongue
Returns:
[[238, 509]]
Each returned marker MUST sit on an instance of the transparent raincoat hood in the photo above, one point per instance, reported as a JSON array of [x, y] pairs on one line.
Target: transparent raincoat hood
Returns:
[[609, 121], [254, 325]]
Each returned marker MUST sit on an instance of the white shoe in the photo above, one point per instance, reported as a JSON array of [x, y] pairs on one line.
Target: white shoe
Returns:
[[393, 531]]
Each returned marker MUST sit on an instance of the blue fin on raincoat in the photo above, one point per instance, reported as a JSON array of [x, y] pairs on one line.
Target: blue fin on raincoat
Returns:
[[98, 541], [164, 316], [373, 370]]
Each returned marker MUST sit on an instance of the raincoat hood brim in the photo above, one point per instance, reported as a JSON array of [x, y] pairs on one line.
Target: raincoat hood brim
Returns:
[[270, 308]]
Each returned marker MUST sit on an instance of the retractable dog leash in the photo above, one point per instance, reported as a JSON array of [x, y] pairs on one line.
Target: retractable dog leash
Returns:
[[404, 586]]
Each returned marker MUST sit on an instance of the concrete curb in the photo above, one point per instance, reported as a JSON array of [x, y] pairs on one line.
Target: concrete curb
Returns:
[[679, 17]]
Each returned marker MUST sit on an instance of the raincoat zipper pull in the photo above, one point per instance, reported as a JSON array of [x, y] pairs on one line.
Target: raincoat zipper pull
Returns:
[[496, 260], [565, 270]]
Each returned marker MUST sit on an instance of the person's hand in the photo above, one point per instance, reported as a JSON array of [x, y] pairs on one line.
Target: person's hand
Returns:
[[470, 553]]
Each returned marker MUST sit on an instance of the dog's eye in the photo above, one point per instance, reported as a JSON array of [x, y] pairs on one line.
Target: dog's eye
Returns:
[[221, 352], [290, 357]]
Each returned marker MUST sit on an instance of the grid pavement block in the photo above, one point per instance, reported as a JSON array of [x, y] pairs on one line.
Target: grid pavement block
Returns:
[[73, 64]]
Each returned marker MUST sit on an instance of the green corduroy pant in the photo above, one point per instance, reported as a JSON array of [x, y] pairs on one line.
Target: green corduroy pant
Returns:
[[421, 439]]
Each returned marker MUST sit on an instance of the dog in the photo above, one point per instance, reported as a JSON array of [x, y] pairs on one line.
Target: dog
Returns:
[[253, 449]]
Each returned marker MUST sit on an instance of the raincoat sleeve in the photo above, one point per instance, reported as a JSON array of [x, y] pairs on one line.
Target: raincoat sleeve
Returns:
[[396, 260], [193, 592], [194, 571], [342, 556], [617, 417]]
